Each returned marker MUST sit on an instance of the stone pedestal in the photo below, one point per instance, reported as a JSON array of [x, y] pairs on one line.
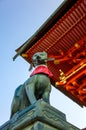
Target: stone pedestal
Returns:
[[39, 116]]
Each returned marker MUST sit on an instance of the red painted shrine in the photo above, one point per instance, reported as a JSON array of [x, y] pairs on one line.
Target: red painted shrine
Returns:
[[63, 37]]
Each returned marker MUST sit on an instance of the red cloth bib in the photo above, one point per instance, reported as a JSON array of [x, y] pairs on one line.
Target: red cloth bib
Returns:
[[42, 69]]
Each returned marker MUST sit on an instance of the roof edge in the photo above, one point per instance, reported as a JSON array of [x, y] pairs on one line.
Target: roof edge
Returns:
[[54, 17]]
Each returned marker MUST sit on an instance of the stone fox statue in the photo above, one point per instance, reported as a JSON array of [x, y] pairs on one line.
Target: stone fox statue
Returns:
[[37, 87]]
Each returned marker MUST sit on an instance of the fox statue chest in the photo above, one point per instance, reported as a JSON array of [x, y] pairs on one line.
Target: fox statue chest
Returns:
[[41, 81]]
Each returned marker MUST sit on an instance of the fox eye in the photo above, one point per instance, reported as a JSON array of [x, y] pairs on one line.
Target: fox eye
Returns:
[[35, 55]]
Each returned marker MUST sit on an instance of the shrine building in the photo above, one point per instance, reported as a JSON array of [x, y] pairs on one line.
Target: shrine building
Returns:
[[63, 37]]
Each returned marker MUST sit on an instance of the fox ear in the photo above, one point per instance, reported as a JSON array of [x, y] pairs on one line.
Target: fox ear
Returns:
[[45, 53], [31, 67]]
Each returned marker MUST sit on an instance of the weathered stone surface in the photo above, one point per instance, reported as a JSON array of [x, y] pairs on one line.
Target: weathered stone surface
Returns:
[[40, 126], [39, 116]]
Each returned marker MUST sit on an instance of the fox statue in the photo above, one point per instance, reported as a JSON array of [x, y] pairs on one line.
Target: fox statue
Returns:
[[37, 86]]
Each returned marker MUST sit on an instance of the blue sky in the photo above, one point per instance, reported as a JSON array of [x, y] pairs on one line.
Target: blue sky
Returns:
[[19, 19]]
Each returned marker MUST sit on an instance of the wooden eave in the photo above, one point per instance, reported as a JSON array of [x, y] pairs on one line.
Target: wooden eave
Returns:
[[59, 12]]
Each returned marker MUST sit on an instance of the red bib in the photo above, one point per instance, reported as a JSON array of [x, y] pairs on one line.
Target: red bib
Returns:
[[42, 69]]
